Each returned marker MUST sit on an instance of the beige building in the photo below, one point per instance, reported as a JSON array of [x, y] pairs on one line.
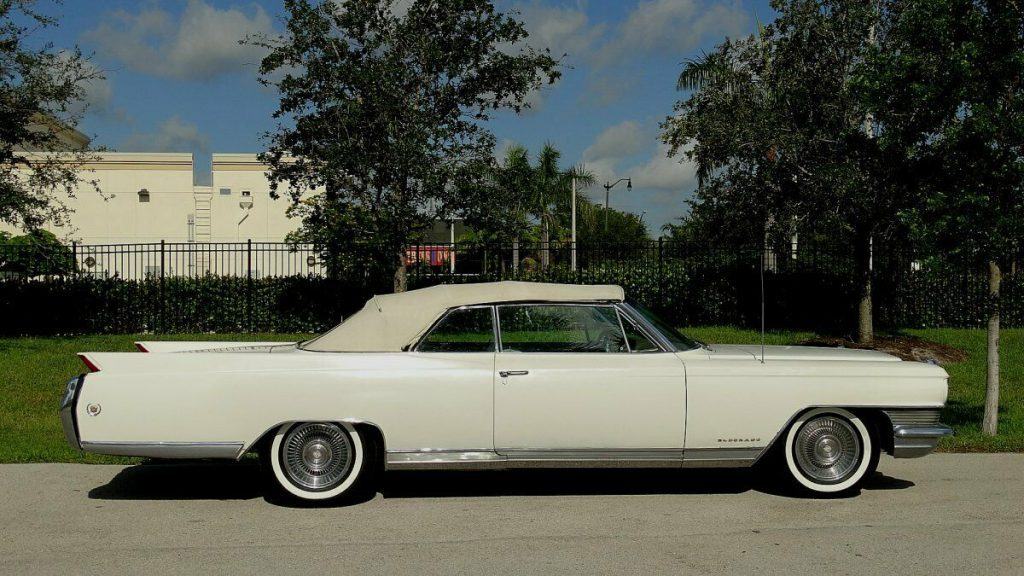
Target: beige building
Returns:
[[146, 198], [149, 197]]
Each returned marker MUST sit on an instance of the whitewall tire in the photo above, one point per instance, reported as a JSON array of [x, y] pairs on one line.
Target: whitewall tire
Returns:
[[829, 451], [318, 461]]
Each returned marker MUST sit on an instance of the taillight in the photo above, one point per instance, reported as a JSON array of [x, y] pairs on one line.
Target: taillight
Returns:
[[88, 363]]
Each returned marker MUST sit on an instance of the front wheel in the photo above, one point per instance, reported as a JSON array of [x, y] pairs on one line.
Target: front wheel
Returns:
[[829, 451], [318, 461]]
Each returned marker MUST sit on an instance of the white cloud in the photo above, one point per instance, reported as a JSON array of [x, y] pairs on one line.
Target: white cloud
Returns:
[[563, 30], [173, 135], [616, 142], [201, 45], [672, 27], [662, 172]]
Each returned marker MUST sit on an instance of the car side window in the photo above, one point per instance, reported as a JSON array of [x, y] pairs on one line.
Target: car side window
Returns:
[[560, 328], [462, 330], [638, 342]]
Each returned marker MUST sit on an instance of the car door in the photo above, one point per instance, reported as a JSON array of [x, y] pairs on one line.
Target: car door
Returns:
[[450, 398], [571, 385]]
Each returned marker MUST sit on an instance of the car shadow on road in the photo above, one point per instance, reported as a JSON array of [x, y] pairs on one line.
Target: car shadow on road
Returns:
[[242, 481], [184, 480]]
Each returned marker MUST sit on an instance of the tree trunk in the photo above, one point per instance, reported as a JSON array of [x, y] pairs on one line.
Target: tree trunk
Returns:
[[990, 423], [865, 320], [401, 277]]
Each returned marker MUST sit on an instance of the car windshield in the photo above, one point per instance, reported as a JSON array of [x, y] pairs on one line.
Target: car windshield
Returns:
[[677, 339]]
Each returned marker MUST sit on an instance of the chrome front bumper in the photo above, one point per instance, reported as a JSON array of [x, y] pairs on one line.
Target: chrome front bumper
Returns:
[[67, 411], [916, 433]]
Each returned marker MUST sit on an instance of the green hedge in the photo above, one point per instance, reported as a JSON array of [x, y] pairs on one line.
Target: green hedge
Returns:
[[205, 304], [687, 292]]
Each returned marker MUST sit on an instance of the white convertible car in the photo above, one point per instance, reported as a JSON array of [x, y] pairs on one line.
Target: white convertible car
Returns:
[[504, 375]]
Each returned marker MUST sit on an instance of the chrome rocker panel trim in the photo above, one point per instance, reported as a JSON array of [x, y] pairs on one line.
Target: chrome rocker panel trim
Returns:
[[189, 450], [443, 459]]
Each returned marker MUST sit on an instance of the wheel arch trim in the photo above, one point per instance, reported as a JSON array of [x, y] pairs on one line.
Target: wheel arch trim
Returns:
[[269, 432], [873, 414]]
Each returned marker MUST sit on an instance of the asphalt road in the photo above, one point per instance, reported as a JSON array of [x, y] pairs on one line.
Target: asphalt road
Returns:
[[944, 514]]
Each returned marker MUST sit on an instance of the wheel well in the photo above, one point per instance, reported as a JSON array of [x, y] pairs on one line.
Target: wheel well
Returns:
[[372, 431], [878, 424], [875, 419]]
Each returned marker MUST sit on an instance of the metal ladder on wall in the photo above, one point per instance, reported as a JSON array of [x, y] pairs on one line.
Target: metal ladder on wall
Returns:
[[203, 224]]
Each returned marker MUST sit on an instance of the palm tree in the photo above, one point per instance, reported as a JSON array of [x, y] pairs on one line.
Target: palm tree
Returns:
[[554, 190]]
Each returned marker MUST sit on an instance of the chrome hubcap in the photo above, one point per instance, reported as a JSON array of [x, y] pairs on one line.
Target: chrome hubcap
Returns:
[[827, 449], [317, 456]]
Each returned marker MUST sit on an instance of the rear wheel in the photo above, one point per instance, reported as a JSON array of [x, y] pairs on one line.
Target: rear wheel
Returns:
[[829, 451], [319, 461]]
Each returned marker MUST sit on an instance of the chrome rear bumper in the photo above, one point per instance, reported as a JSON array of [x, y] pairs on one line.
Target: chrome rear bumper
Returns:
[[917, 432], [67, 411]]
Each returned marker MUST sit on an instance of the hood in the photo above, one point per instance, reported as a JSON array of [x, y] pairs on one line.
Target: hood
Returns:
[[816, 353]]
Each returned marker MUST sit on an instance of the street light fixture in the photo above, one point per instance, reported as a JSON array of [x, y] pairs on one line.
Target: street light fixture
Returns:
[[607, 188]]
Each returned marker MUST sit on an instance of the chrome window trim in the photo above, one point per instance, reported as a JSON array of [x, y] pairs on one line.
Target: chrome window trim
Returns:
[[494, 330], [593, 304], [622, 328], [645, 327], [640, 328]]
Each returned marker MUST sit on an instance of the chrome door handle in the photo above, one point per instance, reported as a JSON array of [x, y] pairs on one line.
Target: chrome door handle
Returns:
[[507, 373]]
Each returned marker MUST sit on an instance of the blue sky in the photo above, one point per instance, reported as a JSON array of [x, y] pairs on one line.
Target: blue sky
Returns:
[[177, 80]]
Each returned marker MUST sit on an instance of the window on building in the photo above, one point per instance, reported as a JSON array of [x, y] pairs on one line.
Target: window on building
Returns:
[[143, 195], [225, 191]]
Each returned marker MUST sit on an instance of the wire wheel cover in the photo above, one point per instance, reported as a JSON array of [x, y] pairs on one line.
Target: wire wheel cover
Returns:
[[827, 449], [316, 456]]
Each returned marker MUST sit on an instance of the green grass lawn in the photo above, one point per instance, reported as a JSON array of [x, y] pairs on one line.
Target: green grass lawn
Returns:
[[33, 372]]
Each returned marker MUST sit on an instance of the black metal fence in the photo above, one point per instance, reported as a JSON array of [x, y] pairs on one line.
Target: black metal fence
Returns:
[[261, 286]]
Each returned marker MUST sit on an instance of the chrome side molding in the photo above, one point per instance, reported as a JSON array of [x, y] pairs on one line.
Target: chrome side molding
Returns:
[[229, 450]]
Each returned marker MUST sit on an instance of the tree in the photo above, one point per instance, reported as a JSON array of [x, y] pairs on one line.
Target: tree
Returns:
[[777, 128], [383, 108], [950, 86], [41, 102], [37, 253], [498, 208], [553, 189]]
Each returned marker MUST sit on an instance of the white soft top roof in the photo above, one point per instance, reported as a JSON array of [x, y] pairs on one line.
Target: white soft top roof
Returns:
[[389, 322]]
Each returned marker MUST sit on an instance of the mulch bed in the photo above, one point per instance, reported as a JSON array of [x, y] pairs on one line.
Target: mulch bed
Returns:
[[905, 347]]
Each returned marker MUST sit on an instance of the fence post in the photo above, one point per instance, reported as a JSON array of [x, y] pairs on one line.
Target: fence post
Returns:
[[160, 313], [248, 283], [74, 257], [661, 272]]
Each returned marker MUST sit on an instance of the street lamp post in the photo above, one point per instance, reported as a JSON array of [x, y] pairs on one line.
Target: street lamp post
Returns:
[[574, 223], [608, 188]]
